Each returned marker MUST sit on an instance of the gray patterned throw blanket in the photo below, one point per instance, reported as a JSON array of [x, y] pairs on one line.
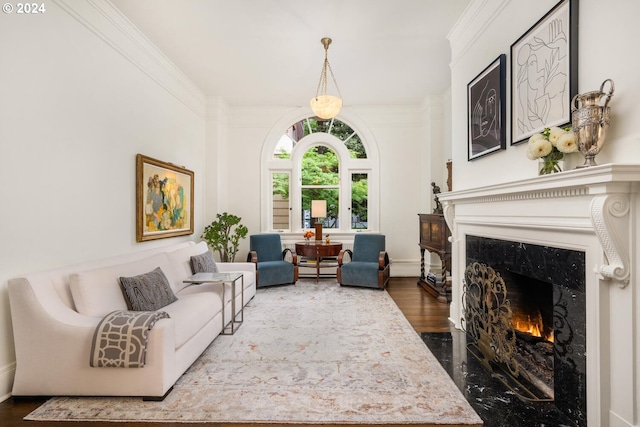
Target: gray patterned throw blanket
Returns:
[[120, 340]]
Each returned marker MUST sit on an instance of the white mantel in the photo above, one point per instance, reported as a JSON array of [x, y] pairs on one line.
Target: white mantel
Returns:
[[594, 210]]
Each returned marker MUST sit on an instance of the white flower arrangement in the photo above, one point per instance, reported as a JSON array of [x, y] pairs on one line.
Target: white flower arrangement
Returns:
[[551, 145]]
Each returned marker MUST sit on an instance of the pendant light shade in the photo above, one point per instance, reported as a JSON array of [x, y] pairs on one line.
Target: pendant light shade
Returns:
[[326, 106], [323, 105]]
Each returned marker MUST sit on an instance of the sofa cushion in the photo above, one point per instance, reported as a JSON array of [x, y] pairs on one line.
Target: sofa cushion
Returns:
[[97, 292], [147, 292], [191, 313], [180, 260], [203, 263]]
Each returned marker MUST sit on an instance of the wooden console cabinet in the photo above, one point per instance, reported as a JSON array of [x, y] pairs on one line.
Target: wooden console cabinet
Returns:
[[434, 237]]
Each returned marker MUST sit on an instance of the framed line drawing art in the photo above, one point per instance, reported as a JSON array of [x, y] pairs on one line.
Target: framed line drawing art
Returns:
[[486, 110], [544, 72], [164, 199]]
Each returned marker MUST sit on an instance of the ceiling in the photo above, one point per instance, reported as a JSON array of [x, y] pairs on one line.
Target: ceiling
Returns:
[[268, 52]]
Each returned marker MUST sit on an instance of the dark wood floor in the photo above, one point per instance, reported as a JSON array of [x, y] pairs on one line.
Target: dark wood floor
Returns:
[[421, 309]]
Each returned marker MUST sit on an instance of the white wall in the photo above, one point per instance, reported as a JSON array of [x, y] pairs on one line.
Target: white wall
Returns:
[[76, 105], [404, 179], [608, 32]]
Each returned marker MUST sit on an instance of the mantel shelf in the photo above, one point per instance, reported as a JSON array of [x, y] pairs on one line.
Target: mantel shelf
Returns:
[[607, 178]]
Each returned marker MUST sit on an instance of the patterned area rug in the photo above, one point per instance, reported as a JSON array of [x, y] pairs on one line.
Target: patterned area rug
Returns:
[[309, 353]]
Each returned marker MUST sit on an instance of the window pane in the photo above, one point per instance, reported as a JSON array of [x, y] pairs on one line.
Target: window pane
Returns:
[[284, 147], [328, 194], [359, 204], [356, 149], [334, 127], [320, 166], [280, 183]]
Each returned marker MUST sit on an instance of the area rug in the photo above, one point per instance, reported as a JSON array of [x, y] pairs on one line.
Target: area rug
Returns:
[[309, 354]]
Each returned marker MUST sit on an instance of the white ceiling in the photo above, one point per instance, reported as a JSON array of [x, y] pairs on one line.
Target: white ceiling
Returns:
[[268, 52]]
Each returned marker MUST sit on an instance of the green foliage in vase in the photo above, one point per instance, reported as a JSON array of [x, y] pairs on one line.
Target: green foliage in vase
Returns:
[[223, 235]]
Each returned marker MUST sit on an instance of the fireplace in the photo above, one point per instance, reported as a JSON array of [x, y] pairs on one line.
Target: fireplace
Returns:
[[589, 218], [524, 313]]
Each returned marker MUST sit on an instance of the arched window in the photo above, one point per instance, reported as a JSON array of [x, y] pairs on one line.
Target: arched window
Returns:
[[316, 159]]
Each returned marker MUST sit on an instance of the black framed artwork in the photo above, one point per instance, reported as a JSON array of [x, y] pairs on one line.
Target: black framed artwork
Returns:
[[486, 110], [544, 72]]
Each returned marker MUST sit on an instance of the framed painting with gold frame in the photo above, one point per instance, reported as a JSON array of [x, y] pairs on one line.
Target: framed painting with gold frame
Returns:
[[164, 199]]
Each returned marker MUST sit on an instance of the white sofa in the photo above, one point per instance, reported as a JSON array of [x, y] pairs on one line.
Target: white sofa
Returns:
[[55, 313]]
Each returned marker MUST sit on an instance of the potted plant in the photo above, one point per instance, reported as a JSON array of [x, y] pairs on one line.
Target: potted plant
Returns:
[[221, 236]]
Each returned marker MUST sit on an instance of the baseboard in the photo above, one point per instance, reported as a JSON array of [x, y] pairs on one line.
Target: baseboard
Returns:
[[6, 380], [404, 268], [398, 268]]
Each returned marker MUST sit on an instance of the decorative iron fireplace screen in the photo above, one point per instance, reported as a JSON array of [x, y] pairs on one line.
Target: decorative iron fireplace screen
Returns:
[[488, 321]]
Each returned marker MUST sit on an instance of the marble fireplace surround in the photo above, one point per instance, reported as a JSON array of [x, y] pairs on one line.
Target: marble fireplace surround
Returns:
[[593, 210]]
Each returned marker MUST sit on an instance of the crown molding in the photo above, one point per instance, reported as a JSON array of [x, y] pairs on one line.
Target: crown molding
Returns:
[[110, 25], [473, 22]]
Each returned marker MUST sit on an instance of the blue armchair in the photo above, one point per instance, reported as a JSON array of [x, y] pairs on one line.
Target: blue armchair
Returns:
[[265, 251], [369, 265]]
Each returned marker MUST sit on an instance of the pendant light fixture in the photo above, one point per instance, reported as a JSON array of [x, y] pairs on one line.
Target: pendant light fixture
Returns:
[[323, 105]]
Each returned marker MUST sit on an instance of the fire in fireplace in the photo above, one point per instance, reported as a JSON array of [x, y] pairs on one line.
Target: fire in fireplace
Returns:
[[532, 309], [532, 305], [531, 327]]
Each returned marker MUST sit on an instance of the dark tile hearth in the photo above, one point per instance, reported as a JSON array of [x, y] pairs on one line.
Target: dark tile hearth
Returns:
[[494, 403]]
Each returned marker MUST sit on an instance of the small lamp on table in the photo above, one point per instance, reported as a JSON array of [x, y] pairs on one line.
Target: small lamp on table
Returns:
[[318, 210]]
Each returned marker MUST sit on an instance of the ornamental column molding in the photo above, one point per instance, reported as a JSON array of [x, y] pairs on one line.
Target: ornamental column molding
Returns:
[[449, 212], [457, 264], [611, 219]]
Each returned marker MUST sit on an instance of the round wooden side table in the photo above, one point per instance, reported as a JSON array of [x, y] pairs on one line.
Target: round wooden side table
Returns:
[[317, 250]]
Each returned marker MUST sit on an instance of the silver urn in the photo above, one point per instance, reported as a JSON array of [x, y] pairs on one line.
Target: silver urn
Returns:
[[590, 121]]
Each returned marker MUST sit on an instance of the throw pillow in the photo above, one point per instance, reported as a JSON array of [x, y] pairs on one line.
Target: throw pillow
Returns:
[[147, 292], [204, 263]]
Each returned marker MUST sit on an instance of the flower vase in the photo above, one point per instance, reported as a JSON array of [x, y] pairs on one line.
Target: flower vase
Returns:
[[549, 166]]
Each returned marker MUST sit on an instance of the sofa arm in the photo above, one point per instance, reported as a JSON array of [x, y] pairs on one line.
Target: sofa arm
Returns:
[[53, 346]]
